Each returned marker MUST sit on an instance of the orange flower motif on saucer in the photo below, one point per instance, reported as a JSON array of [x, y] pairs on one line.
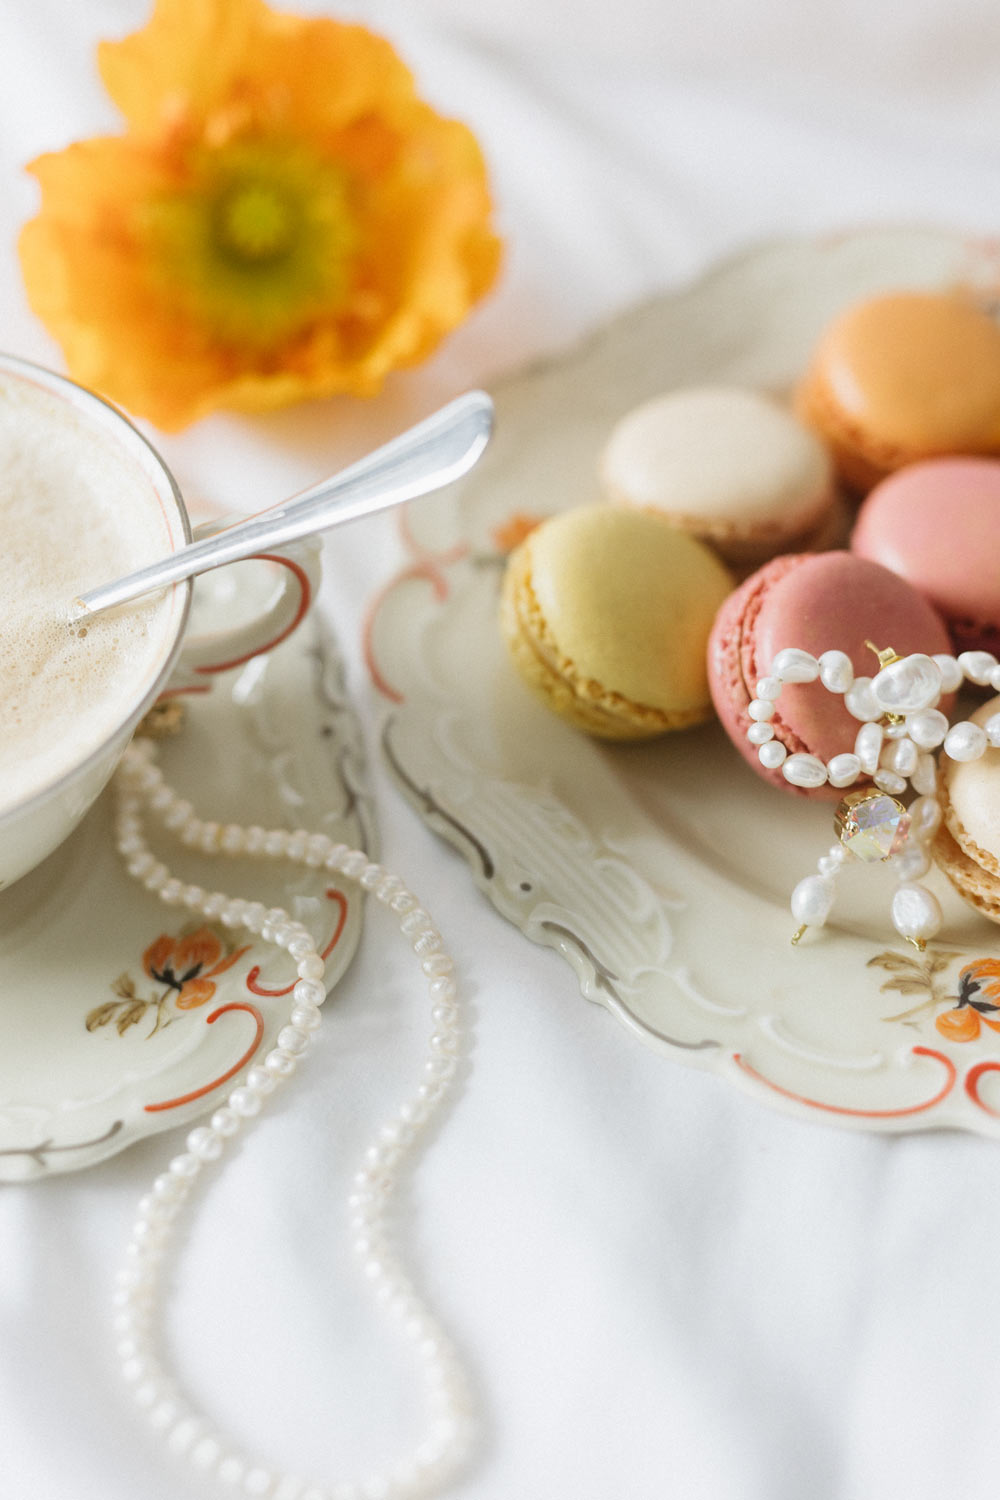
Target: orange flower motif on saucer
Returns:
[[283, 218], [978, 1002], [183, 967], [189, 964]]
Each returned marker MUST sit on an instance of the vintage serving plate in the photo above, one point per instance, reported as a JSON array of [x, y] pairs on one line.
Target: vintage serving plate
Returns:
[[662, 872], [122, 1017]]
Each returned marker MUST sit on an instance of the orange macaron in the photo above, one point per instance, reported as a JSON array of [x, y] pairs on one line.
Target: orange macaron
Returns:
[[902, 377]]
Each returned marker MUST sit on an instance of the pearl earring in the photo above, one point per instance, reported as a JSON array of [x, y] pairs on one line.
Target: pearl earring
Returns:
[[901, 728]]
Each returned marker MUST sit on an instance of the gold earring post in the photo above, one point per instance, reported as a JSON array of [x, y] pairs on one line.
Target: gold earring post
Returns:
[[886, 657]]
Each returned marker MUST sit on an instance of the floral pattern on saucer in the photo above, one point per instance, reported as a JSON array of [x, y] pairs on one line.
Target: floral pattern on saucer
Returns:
[[118, 1024]]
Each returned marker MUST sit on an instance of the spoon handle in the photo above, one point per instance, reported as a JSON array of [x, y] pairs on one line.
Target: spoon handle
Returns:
[[426, 457]]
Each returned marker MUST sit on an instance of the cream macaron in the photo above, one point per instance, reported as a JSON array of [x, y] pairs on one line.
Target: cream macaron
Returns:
[[967, 846], [606, 613], [730, 466]]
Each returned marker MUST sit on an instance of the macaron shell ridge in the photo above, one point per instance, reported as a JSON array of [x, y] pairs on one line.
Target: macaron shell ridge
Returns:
[[732, 665], [965, 876]]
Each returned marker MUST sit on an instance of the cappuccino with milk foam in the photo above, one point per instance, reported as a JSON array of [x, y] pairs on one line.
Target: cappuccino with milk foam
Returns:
[[75, 511]]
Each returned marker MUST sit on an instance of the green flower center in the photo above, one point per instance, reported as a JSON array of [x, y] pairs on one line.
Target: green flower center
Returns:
[[259, 243], [255, 222]]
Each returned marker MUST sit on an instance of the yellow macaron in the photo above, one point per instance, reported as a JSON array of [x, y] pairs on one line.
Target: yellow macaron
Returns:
[[606, 613]]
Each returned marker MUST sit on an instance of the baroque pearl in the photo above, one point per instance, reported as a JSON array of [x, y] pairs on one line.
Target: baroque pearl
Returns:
[[907, 686], [927, 729], [836, 671], [868, 746], [965, 741], [889, 781], [812, 900], [978, 666], [923, 778], [900, 756], [844, 770], [951, 673], [759, 734], [916, 913], [772, 755], [804, 770], [860, 701], [793, 665]]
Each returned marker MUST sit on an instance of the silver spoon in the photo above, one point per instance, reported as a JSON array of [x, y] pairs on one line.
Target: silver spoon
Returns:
[[424, 458]]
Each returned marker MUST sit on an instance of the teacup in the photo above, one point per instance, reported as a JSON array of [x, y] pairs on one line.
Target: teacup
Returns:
[[83, 498]]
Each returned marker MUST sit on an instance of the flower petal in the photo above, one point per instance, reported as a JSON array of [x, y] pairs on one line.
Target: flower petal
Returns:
[[197, 950], [379, 207], [195, 992], [183, 62], [960, 1025], [985, 974], [158, 955]]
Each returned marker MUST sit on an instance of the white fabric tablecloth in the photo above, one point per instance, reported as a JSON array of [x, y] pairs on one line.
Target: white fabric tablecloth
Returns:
[[663, 1287]]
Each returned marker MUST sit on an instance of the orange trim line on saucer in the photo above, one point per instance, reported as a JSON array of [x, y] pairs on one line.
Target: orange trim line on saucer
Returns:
[[869, 1114], [241, 1062], [304, 602], [424, 569], [258, 989], [972, 1085], [427, 565]]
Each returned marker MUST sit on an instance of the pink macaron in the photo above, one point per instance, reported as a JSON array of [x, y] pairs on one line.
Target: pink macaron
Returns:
[[937, 524], [818, 602]]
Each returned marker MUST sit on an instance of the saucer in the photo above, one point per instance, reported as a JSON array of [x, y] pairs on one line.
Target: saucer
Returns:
[[123, 1017]]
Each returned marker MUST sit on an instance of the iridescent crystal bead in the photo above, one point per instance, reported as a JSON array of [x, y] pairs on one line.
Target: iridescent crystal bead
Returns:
[[871, 825]]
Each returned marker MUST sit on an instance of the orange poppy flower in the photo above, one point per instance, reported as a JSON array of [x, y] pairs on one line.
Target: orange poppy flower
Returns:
[[188, 964], [283, 218], [978, 1002]]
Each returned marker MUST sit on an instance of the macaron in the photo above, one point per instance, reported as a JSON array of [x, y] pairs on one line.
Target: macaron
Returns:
[[903, 377], [606, 615], [830, 602], [937, 524], [730, 466], [967, 845]]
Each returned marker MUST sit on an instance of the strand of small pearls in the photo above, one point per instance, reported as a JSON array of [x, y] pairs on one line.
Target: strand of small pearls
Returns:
[[445, 1449], [889, 755]]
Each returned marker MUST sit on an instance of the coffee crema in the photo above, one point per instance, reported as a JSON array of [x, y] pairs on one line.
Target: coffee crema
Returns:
[[74, 512]]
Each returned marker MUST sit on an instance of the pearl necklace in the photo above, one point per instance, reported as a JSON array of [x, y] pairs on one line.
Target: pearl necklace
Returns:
[[901, 727], [187, 1432]]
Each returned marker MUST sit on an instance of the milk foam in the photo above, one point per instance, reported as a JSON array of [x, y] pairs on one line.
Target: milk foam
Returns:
[[74, 512]]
